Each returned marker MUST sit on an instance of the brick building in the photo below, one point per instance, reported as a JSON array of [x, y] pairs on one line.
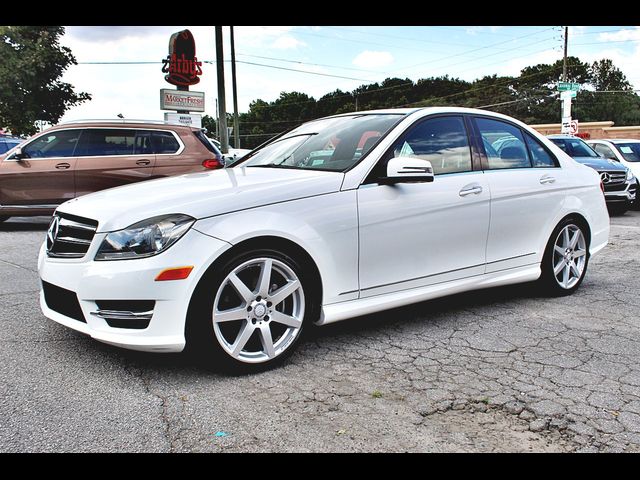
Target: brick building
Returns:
[[593, 130]]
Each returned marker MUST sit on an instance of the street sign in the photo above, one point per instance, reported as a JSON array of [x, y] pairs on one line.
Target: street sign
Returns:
[[566, 125], [568, 86], [568, 94], [573, 127]]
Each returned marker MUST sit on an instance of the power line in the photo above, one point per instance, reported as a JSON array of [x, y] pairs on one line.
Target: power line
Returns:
[[307, 63], [303, 71]]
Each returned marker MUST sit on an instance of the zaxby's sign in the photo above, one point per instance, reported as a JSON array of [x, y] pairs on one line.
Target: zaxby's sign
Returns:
[[181, 65]]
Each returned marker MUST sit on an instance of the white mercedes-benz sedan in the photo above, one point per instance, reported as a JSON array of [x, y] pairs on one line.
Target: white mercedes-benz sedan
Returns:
[[339, 217]]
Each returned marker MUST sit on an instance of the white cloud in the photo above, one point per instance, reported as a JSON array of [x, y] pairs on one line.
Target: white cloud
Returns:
[[287, 42], [372, 59], [622, 35]]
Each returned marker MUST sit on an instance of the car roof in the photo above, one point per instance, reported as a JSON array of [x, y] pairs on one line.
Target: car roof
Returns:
[[563, 135], [151, 124], [620, 140]]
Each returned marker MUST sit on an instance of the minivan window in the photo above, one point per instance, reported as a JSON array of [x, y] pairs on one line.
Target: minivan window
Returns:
[[60, 143], [503, 144], [165, 142], [106, 142]]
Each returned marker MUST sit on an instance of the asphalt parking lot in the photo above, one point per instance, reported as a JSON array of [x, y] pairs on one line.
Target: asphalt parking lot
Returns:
[[495, 370]]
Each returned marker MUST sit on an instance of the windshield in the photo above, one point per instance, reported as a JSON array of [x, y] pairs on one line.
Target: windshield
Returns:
[[575, 147], [630, 151], [333, 144]]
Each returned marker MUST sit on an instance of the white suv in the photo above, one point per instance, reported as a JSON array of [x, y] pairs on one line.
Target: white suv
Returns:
[[625, 151], [339, 217]]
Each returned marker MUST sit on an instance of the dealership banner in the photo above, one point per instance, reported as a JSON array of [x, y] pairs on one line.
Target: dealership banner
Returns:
[[181, 100]]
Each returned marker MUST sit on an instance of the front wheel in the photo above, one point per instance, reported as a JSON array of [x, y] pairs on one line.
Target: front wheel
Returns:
[[565, 261], [619, 208], [249, 314], [3, 218]]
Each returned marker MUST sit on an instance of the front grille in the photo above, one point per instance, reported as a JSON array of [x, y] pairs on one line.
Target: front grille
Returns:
[[69, 236], [62, 301], [613, 178], [620, 187]]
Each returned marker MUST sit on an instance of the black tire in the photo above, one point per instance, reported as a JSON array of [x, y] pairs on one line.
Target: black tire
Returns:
[[202, 343], [548, 281], [3, 218], [618, 208]]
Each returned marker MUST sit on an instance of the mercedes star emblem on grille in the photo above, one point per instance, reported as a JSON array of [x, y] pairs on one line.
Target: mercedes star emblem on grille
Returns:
[[52, 233], [605, 177]]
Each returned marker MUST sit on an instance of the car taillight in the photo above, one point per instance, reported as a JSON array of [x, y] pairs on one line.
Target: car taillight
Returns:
[[212, 163]]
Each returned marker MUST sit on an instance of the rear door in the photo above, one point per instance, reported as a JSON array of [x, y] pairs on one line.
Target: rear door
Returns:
[[45, 176], [527, 192], [177, 154], [110, 157]]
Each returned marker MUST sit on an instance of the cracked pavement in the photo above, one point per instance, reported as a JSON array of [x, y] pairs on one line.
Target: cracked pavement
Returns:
[[503, 369]]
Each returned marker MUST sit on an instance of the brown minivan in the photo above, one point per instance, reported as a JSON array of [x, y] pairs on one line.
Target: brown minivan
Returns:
[[77, 158]]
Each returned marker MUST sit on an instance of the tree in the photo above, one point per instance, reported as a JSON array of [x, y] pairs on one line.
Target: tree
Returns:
[[209, 123], [31, 64]]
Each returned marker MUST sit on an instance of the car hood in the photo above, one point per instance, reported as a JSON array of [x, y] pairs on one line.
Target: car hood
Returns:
[[201, 195], [600, 163]]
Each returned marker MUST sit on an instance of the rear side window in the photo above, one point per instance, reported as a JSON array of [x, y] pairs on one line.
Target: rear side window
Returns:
[[164, 142], [60, 143], [540, 157], [99, 142], [143, 145], [503, 143]]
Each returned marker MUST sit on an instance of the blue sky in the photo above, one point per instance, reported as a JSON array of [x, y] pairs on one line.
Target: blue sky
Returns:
[[342, 57]]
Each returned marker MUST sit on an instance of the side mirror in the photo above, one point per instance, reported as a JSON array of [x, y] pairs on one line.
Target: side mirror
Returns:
[[408, 169], [18, 154]]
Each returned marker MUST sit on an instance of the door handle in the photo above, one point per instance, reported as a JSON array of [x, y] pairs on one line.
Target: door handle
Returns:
[[547, 179], [473, 189], [143, 162], [63, 166]]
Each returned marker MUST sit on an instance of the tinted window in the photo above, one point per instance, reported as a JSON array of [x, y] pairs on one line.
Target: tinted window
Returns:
[[61, 143], [441, 140], [143, 144], [503, 144], [165, 142], [539, 155], [3, 147], [105, 141]]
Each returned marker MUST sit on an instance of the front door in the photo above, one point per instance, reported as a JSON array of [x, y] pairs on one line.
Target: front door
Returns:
[[44, 176], [416, 234]]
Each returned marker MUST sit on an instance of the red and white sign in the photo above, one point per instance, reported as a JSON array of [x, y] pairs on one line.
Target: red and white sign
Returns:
[[181, 100], [573, 127]]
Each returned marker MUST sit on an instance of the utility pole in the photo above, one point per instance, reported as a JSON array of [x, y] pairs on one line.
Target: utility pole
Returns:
[[564, 64], [222, 110], [236, 128], [566, 101]]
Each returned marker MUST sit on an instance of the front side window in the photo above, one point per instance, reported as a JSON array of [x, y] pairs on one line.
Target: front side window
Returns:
[[61, 143], [333, 144], [100, 142], [630, 151], [441, 140], [503, 143]]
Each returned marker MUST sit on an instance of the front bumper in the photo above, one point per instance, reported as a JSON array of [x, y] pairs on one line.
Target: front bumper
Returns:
[[126, 280], [626, 194]]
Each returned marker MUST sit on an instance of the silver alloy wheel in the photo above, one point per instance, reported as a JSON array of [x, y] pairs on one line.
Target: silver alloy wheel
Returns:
[[569, 256], [271, 309]]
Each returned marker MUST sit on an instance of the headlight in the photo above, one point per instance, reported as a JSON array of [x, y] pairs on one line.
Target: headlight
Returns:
[[629, 175], [144, 239]]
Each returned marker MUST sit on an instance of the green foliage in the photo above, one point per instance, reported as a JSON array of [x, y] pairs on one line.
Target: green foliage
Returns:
[[31, 64], [531, 97]]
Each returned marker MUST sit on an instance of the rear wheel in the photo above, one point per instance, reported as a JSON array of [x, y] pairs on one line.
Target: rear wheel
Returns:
[[565, 261], [249, 314]]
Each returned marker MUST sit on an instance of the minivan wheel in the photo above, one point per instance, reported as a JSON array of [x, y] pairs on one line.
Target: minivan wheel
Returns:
[[249, 315], [565, 261]]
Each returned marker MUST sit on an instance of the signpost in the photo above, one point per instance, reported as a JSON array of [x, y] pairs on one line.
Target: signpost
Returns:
[[568, 90], [568, 86]]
